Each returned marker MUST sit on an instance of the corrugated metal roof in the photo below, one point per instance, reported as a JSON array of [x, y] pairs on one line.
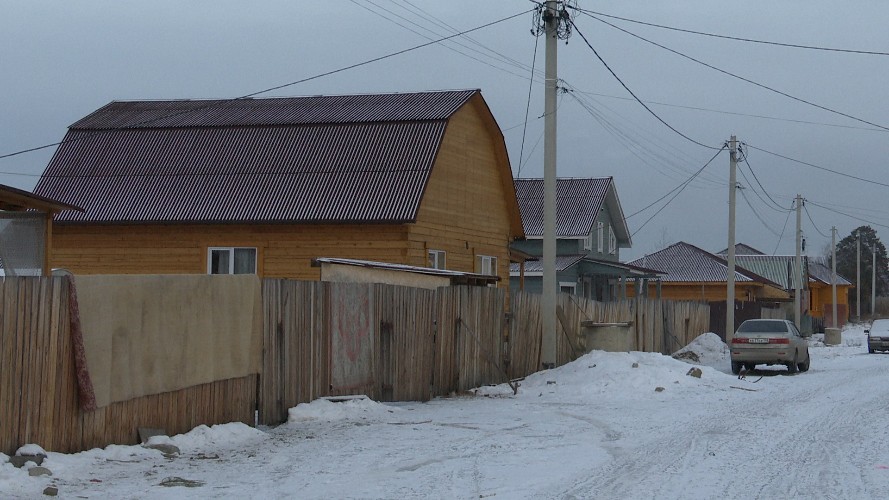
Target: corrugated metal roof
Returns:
[[821, 271], [536, 266], [742, 249], [777, 268], [684, 262], [578, 202], [367, 163], [362, 108]]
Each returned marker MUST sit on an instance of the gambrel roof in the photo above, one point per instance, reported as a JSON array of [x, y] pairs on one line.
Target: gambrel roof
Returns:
[[578, 203], [320, 159], [683, 262]]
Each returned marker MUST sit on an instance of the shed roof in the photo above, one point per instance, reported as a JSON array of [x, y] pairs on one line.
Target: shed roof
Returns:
[[683, 262], [14, 199], [578, 203], [820, 270], [319, 159]]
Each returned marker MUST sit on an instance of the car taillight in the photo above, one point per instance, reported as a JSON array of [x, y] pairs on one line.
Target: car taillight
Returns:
[[739, 340], [779, 341]]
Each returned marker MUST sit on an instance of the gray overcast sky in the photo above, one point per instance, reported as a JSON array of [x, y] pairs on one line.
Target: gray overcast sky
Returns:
[[62, 60]]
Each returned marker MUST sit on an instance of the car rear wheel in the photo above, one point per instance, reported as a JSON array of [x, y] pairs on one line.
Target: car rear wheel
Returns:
[[804, 367], [792, 366], [736, 367]]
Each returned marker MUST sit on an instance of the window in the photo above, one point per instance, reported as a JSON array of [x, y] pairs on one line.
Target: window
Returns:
[[231, 260], [567, 287], [612, 241], [588, 242], [437, 259], [485, 264], [600, 232]]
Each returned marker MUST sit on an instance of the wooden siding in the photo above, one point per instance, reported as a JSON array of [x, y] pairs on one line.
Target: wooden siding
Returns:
[[283, 251], [709, 291], [464, 210]]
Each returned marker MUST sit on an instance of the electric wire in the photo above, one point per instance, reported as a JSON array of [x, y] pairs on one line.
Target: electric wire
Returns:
[[739, 39], [271, 89], [781, 236], [678, 189], [745, 159], [633, 94], [806, 209], [871, 181], [733, 75], [755, 213], [527, 107], [848, 215]]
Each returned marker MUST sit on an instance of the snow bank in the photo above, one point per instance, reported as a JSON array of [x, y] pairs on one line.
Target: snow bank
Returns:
[[707, 349], [323, 409]]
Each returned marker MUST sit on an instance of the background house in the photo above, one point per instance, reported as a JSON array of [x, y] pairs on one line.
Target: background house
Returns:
[[266, 185], [590, 231]]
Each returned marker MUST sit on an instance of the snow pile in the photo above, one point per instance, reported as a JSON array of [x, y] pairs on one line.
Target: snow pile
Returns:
[[707, 349], [621, 375], [353, 409], [205, 437]]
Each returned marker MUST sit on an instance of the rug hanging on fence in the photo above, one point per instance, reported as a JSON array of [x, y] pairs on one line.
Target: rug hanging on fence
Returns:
[[149, 334]]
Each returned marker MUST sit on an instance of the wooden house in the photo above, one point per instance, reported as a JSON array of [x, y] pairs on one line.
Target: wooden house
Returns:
[[695, 274], [268, 185], [590, 231]]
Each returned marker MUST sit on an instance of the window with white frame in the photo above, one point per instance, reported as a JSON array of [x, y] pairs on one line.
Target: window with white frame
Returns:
[[231, 260], [588, 242], [600, 232], [612, 241], [567, 287], [437, 259], [485, 264]]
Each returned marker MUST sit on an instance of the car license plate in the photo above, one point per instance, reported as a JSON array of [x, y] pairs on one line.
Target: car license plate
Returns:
[[757, 341]]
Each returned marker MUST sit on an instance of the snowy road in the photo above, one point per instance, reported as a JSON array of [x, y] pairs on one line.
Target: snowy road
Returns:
[[596, 428]]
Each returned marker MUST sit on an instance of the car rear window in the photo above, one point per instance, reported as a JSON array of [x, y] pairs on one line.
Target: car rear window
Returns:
[[762, 327]]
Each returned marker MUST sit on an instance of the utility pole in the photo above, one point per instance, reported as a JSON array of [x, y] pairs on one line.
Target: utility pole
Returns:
[[873, 284], [858, 279], [833, 273], [730, 258], [551, 19], [798, 263]]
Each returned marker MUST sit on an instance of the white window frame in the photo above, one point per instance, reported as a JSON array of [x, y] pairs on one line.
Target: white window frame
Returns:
[[437, 259], [588, 242], [231, 260], [600, 233], [612, 241], [568, 284], [486, 264]]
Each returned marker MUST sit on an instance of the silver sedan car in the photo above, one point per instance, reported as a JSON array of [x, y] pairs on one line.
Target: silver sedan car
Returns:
[[878, 336], [771, 342]]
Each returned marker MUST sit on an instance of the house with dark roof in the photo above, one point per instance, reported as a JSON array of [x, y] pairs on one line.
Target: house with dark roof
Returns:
[[590, 231], [267, 185], [691, 273], [817, 289]]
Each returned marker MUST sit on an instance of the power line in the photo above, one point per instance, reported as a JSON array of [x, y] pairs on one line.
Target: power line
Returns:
[[678, 189], [528, 106], [746, 160], [781, 236], [813, 222], [848, 215], [779, 92], [755, 213], [571, 21], [271, 89], [739, 39], [871, 181]]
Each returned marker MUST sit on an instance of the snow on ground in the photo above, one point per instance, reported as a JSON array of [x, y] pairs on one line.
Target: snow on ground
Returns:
[[609, 425]]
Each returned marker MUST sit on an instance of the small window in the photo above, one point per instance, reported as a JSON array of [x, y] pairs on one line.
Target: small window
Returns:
[[600, 233], [588, 242], [567, 287], [437, 259], [231, 260], [612, 241], [485, 264]]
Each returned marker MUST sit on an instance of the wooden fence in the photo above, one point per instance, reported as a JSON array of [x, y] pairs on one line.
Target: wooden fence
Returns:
[[319, 339]]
